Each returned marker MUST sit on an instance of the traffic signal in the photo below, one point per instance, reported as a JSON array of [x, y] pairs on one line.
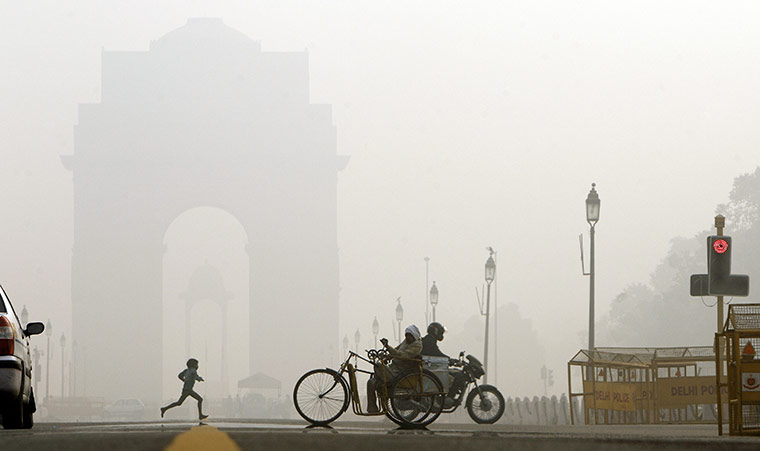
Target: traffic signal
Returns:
[[550, 382], [718, 257], [720, 281]]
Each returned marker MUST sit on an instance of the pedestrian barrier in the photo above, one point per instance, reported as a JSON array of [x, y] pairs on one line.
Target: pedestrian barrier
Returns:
[[644, 385]]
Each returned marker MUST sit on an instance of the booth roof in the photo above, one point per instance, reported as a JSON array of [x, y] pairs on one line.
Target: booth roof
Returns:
[[643, 356], [259, 380], [743, 317]]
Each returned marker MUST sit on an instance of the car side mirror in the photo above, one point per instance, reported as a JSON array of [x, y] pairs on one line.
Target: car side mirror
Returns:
[[34, 328]]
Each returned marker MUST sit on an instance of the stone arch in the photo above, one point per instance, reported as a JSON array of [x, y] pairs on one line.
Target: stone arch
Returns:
[[202, 118], [205, 268]]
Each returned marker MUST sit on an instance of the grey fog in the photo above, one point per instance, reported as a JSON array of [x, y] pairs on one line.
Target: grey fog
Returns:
[[250, 183]]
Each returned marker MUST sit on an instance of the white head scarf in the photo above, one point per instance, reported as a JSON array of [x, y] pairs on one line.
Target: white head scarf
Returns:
[[412, 329]]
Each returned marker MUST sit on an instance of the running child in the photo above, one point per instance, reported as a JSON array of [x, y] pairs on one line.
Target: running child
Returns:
[[189, 375]]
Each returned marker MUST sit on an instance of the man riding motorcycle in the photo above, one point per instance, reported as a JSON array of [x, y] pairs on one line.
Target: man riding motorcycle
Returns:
[[430, 348]]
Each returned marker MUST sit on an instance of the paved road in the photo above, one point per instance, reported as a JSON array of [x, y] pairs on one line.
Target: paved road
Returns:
[[233, 435]]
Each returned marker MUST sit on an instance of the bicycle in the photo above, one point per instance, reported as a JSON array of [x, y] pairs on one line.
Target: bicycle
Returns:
[[413, 398]]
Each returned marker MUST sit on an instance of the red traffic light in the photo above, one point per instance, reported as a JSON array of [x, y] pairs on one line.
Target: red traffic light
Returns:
[[720, 246]]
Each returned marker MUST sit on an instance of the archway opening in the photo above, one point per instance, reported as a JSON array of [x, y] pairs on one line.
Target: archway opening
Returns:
[[206, 300]]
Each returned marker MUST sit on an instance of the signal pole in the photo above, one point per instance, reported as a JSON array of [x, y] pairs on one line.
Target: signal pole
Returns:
[[720, 222], [719, 282]]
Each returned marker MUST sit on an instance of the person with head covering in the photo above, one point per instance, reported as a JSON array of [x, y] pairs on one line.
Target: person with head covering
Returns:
[[410, 348], [404, 356]]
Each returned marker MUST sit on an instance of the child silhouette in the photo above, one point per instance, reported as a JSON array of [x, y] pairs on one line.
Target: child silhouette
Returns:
[[189, 375]]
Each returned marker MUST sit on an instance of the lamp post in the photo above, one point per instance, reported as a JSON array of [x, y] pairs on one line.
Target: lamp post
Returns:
[[427, 284], [375, 330], [434, 298], [592, 217], [357, 338], [73, 370], [345, 344], [63, 349], [36, 354], [495, 319], [490, 276], [24, 317], [49, 333], [399, 317]]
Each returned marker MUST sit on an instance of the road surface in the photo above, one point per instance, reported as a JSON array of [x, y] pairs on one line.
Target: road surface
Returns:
[[225, 435]]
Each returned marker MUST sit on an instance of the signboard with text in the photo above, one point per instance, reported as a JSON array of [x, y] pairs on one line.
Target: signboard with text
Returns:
[[672, 392], [675, 392], [615, 395]]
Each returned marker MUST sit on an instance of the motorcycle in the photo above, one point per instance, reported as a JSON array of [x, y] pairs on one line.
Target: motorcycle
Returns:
[[485, 403]]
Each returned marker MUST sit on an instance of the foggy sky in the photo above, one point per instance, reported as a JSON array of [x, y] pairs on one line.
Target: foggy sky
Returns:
[[469, 124]]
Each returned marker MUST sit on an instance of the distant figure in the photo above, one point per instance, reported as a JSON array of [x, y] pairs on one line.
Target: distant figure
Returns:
[[189, 375]]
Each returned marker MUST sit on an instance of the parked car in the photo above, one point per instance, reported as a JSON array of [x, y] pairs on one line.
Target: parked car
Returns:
[[17, 404], [125, 409]]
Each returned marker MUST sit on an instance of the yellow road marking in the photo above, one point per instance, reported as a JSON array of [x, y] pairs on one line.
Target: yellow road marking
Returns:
[[203, 438]]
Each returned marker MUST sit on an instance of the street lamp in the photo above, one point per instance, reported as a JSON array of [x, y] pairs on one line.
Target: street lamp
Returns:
[[427, 305], [357, 338], [345, 344], [399, 317], [73, 370], [490, 276], [36, 354], [434, 298], [592, 217], [63, 349], [375, 330], [24, 317], [490, 269], [49, 333]]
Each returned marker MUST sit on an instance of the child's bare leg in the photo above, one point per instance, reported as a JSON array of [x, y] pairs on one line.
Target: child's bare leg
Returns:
[[198, 398], [175, 403]]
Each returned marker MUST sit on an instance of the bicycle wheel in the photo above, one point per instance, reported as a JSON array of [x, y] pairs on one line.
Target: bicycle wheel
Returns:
[[487, 406], [416, 399], [321, 396], [389, 413]]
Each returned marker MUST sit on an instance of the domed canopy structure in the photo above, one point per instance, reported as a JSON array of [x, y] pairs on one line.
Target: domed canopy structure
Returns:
[[206, 283]]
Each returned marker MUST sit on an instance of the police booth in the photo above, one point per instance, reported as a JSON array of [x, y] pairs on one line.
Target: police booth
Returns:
[[741, 388]]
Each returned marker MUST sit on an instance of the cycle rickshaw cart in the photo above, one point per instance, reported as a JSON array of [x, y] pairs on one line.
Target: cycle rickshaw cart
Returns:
[[412, 398]]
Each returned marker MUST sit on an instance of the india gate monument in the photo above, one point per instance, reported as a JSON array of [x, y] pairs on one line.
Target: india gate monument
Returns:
[[203, 118]]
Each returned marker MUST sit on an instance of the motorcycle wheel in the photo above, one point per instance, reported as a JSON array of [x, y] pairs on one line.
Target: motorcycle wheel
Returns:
[[486, 405]]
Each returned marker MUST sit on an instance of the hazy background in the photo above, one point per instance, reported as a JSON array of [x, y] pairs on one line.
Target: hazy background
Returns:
[[469, 124]]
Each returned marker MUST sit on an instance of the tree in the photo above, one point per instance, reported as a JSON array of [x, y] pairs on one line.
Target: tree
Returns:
[[743, 210], [662, 313]]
